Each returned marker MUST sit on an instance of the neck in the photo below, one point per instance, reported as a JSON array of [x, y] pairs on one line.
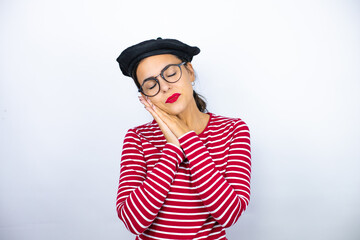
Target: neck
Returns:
[[193, 118]]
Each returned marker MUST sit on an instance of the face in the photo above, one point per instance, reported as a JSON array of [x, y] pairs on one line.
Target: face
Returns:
[[151, 67]]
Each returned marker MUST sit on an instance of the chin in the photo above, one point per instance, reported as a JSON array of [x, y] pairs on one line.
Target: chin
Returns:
[[174, 109]]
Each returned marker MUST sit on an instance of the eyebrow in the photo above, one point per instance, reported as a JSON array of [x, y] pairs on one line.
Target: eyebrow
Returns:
[[149, 78], [153, 77]]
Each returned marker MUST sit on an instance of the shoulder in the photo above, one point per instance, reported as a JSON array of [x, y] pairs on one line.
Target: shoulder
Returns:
[[150, 128], [233, 126], [223, 121]]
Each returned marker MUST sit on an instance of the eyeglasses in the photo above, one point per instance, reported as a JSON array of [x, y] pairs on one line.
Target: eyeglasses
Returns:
[[171, 73]]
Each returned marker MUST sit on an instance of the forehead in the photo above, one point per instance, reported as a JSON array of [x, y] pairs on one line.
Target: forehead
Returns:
[[151, 66]]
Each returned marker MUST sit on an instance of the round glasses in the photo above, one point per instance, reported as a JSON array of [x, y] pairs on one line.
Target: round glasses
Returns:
[[171, 73]]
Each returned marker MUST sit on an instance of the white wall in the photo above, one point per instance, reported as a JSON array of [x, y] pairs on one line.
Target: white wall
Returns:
[[290, 69]]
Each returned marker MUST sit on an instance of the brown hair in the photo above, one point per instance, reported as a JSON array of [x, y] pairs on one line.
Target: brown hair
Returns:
[[200, 102], [199, 99]]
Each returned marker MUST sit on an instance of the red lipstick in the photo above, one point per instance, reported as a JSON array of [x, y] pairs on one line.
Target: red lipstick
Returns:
[[173, 98]]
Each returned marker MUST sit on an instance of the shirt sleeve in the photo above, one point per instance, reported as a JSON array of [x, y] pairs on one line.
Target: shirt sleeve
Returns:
[[225, 197], [140, 193]]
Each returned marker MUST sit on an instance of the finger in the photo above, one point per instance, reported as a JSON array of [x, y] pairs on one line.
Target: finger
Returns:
[[155, 109], [144, 102], [149, 102], [148, 107], [161, 113], [168, 134], [164, 115]]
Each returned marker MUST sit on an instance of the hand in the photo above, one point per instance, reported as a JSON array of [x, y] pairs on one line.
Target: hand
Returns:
[[174, 123], [168, 134]]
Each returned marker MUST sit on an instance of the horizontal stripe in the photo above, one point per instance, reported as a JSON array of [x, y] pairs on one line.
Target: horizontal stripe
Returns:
[[192, 192]]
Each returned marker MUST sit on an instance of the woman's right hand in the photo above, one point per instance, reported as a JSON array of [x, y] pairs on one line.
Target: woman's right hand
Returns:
[[168, 134]]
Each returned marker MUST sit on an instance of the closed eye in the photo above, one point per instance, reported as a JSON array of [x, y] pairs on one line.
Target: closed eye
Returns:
[[171, 75]]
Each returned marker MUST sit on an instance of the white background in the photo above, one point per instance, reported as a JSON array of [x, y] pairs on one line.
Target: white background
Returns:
[[289, 69]]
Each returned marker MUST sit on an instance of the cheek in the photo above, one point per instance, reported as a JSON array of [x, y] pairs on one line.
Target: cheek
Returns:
[[157, 101], [184, 87], [188, 88]]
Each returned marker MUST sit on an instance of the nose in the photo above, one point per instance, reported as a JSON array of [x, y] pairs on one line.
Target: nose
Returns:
[[164, 85]]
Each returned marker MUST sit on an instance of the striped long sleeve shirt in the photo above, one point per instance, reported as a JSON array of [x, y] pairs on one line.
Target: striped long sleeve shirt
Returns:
[[190, 192]]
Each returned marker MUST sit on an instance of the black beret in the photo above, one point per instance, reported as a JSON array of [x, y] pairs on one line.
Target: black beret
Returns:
[[129, 58]]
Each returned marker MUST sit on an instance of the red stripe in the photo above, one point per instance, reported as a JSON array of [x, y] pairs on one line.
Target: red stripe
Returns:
[[164, 194]]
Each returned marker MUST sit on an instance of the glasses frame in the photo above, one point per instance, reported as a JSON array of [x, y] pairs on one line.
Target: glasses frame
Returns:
[[162, 76]]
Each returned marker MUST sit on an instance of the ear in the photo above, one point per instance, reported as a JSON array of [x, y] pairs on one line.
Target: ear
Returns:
[[190, 70]]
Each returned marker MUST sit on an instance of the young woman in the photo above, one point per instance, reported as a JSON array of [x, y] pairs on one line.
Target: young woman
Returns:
[[186, 174]]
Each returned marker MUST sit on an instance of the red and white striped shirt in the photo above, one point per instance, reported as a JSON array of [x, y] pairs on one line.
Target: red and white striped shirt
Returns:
[[192, 192]]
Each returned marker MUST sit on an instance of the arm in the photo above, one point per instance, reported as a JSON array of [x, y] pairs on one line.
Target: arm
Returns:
[[141, 194], [225, 197]]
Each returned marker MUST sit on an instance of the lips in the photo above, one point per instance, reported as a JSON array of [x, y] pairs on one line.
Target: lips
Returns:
[[173, 98]]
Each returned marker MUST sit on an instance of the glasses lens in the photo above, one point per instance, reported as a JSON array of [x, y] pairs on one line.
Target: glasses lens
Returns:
[[172, 73], [150, 87]]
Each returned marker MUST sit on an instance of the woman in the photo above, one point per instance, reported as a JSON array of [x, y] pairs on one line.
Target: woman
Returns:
[[186, 174]]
